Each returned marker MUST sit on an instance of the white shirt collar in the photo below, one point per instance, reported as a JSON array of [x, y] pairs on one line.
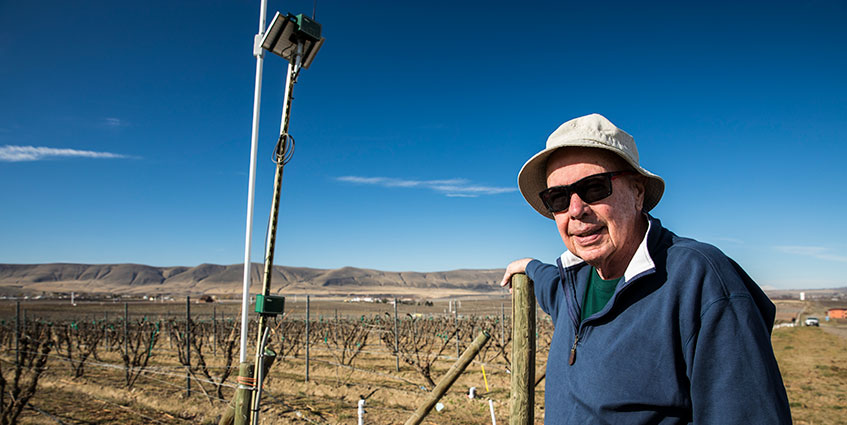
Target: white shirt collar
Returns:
[[640, 262]]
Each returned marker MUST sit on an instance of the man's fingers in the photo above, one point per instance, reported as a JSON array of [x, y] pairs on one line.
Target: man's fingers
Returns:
[[515, 267]]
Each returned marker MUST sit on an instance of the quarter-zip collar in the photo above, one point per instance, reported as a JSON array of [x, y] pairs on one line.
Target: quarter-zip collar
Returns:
[[640, 263]]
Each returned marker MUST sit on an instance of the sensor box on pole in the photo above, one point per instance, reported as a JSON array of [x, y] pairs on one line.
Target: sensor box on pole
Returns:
[[270, 305]]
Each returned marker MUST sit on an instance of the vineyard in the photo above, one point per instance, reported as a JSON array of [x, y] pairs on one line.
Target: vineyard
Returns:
[[175, 362]]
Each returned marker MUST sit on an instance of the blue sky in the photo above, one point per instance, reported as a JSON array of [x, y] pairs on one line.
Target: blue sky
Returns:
[[125, 129]]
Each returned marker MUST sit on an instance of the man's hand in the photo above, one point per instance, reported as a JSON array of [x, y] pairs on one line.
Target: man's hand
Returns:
[[515, 267]]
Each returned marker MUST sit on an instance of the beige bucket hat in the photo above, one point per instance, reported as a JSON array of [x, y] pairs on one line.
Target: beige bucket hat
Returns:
[[590, 131]]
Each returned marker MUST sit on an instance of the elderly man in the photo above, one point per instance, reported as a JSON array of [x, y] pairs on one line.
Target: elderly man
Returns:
[[650, 327]]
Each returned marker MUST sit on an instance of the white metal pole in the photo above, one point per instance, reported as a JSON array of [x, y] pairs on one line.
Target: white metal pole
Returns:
[[251, 186]]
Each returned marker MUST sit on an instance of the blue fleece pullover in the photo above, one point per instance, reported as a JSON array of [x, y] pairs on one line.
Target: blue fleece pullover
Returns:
[[684, 339]]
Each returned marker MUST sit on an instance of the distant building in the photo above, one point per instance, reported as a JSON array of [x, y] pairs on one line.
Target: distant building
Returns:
[[365, 300], [837, 313]]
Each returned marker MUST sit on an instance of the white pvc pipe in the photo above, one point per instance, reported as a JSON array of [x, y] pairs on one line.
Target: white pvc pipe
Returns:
[[491, 406], [251, 185], [361, 411]]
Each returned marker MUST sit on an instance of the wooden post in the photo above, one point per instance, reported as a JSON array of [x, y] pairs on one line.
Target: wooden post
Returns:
[[396, 339], [187, 345], [522, 398], [307, 337], [238, 411], [448, 379]]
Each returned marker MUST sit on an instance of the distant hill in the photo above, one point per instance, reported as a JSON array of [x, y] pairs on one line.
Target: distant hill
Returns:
[[214, 279], [824, 294]]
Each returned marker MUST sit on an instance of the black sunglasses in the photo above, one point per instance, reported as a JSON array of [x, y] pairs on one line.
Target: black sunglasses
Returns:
[[590, 189]]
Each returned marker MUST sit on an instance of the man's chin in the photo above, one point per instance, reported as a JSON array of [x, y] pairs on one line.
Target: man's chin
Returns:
[[589, 255]]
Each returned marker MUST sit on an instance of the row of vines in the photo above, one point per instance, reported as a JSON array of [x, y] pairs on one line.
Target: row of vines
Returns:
[[207, 350]]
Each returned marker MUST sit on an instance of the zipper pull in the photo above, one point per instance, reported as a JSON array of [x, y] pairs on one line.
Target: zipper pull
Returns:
[[572, 357]]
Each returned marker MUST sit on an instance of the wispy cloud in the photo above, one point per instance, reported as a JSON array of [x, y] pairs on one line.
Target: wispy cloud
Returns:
[[458, 188], [818, 252], [12, 153], [114, 122]]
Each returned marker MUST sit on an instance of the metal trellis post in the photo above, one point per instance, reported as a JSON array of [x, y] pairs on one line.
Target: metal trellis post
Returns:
[[307, 337], [187, 346], [396, 339]]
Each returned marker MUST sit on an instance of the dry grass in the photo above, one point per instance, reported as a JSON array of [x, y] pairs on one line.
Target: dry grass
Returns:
[[814, 370]]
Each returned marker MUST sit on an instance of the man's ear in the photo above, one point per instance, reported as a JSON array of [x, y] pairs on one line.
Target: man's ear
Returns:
[[639, 184]]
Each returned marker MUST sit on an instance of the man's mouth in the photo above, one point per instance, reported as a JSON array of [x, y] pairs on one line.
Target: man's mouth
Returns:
[[587, 236]]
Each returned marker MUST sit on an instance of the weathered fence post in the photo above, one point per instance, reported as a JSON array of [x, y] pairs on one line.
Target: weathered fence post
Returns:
[[238, 410], [214, 330], [448, 379], [187, 346], [522, 398], [396, 338], [308, 300]]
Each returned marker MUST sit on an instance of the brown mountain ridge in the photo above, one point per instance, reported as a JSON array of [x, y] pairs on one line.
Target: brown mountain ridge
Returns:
[[222, 280]]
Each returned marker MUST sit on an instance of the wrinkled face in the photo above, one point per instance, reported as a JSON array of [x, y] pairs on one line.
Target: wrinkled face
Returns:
[[607, 232]]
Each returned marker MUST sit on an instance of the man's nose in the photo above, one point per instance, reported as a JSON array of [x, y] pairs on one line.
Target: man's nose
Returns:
[[577, 207]]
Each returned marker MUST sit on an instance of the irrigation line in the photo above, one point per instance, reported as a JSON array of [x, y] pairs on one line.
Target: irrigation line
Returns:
[[31, 406], [135, 412], [148, 373], [180, 387], [161, 370], [368, 371], [387, 353], [376, 352], [149, 370], [122, 407]]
